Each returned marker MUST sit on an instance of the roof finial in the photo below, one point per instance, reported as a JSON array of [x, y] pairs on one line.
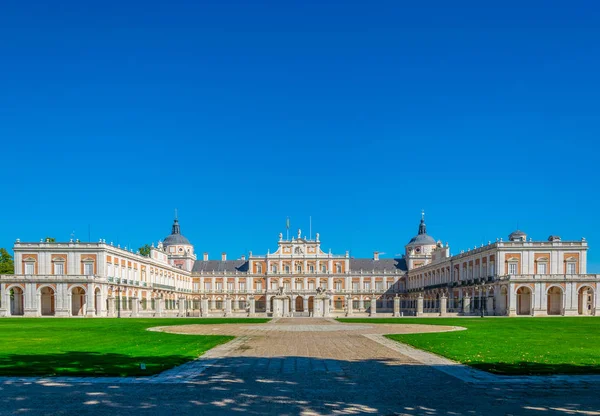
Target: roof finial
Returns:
[[422, 227]]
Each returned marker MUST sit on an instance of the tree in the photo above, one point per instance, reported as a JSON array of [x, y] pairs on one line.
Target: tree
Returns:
[[145, 250], [7, 266], [50, 240]]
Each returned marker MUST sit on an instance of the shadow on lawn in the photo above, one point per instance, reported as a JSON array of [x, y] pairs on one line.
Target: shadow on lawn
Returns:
[[76, 363], [537, 369], [299, 385]]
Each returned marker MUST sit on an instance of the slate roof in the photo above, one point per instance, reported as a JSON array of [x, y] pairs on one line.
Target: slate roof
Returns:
[[369, 265], [220, 266]]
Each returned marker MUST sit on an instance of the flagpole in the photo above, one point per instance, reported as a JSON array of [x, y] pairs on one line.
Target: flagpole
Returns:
[[287, 228], [310, 227]]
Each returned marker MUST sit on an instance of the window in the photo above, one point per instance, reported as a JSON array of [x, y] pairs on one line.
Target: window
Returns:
[[571, 268], [230, 286], [299, 269], [219, 285], [311, 285], [338, 268], [379, 286], [542, 268], [367, 285], [286, 286], [311, 268], [88, 269], [274, 285], [207, 286], [259, 268], [512, 268], [243, 286], [355, 286], [29, 268], [324, 269], [355, 304], [298, 285], [274, 269], [59, 268], [287, 269], [338, 286], [109, 270], [259, 286]]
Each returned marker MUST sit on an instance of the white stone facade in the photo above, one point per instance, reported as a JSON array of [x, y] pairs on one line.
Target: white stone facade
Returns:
[[516, 277]]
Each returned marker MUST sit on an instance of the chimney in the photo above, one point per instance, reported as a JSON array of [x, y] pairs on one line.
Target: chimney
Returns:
[[205, 256], [243, 257], [223, 256], [376, 255]]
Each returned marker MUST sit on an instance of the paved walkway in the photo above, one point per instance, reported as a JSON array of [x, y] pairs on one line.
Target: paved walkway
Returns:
[[302, 367]]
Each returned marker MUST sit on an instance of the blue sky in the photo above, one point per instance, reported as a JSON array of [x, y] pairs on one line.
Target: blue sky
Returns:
[[359, 114]]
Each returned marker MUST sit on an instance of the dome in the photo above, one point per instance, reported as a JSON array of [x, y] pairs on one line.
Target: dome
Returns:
[[176, 238], [517, 235], [422, 238]]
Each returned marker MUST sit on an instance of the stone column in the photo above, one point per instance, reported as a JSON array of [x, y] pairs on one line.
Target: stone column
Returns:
[[420, 305], [396, 306], [293, 305], [348, 306], [252, 309], [160, 306], [373, 306], [228, 306], [182, 306], [490, 306], [135, 307], [90, 304], [268, 304], [443, 305], [466, 304], [286, 307], [204, 307], [326, 307], [111, 306], [361, 304], [305, 302]]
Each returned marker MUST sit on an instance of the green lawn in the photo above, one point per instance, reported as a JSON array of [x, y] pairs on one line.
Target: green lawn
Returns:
[[511, 345], [99, 346]]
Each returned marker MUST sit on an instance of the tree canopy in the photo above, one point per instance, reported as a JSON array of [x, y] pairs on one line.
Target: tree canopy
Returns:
[[7, 266], [145, 250]]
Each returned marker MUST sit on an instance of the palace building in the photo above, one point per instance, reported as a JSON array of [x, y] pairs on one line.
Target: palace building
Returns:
[[514, 277]]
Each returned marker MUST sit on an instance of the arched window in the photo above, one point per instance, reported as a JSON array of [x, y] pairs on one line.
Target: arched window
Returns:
[[338, 268], [259, 268]]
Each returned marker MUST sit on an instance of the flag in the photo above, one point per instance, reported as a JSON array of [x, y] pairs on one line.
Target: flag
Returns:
[[287, 223]]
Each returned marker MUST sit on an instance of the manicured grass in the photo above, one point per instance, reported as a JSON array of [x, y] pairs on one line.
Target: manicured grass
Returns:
[[511, 345], [99, 347]]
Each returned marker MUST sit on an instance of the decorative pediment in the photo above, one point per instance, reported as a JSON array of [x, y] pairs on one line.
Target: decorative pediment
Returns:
[[88, 260], [29, 259]]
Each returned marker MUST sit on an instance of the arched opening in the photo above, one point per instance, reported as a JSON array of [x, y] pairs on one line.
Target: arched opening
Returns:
[[524, 301], [77, 301], [47, 301], [97, 301], [311, 304], [16, 301], [586, 301], [555, 296], [299, 304]]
